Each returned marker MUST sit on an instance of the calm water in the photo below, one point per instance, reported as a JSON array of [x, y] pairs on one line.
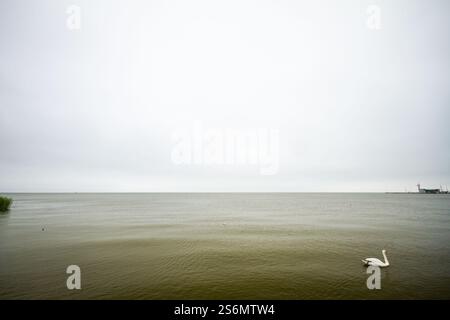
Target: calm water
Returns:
[[225, 246]]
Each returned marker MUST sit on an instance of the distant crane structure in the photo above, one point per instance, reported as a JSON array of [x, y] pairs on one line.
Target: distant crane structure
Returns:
[[431, 191]]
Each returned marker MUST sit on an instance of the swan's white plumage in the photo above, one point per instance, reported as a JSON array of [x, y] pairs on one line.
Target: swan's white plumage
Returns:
[[377, 262]]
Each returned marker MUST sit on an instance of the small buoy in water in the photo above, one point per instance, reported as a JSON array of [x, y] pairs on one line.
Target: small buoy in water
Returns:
[[43, 229]]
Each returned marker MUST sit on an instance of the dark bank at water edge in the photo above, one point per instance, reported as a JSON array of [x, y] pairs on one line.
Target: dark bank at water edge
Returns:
[[5, 203]]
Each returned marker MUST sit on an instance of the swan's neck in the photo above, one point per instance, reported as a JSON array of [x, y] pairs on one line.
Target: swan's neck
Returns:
[[385, 259]]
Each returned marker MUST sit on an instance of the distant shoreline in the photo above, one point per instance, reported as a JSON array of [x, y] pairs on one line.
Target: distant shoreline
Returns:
[[416, 193]]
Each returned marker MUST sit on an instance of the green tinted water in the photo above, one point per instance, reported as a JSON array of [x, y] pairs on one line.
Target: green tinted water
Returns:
[[224, 246]]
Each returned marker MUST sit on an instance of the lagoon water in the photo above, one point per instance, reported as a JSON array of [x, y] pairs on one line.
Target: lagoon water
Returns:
[[225, 246]]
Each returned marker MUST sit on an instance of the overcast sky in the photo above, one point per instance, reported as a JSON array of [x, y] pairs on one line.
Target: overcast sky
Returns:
[[355, 108]]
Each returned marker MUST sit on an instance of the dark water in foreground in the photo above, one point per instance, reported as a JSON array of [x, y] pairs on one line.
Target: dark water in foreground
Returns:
[[225, 246]]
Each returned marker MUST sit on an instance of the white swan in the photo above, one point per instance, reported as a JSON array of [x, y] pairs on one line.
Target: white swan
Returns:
[[377, 262]]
